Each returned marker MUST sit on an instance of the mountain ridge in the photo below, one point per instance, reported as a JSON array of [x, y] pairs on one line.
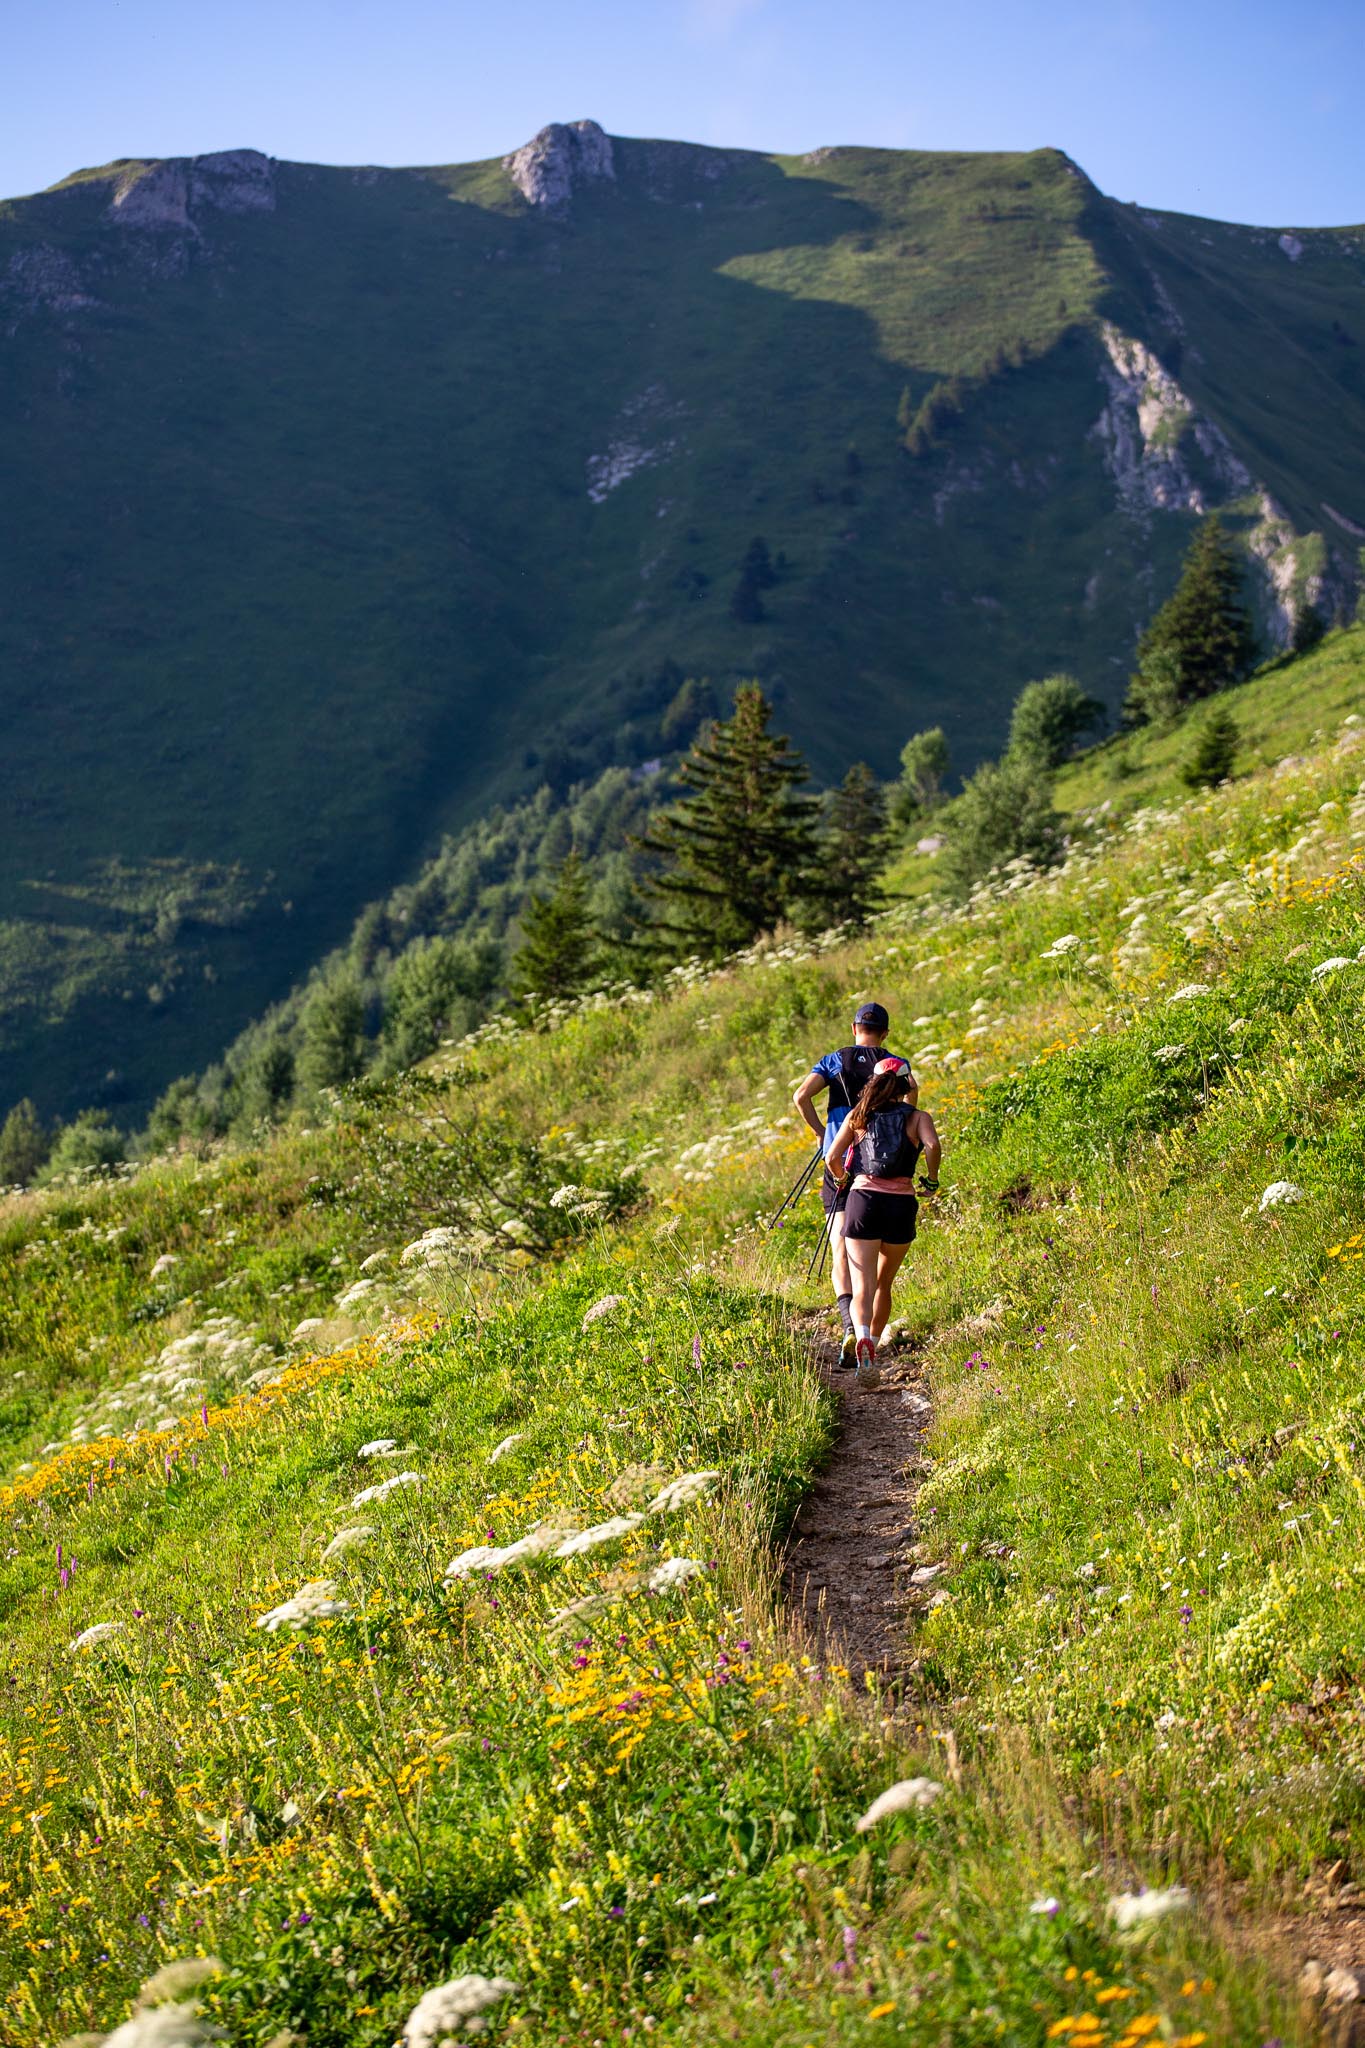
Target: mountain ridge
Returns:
[[358, 500]]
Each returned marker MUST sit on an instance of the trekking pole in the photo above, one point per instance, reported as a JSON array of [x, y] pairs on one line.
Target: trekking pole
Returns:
[[826, 1238], [799, 1186]]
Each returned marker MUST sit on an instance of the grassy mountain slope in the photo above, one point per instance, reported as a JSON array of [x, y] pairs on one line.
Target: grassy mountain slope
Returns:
[[1141, 1658], [357, 499]]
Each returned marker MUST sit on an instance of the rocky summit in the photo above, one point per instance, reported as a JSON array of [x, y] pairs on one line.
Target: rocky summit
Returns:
[[355, 499]]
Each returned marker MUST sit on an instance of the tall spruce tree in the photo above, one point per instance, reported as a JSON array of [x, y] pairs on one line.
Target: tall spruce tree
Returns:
[[852, 850], [24, 1146], [1203, 630], [738, 850], [560, 951]]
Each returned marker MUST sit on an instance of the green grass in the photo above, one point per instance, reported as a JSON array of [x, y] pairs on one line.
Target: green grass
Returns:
[[309, 573], [1141, 1661]]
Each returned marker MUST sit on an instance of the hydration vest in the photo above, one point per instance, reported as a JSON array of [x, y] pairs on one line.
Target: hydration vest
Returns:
[[886, 1151], [855, 1071]]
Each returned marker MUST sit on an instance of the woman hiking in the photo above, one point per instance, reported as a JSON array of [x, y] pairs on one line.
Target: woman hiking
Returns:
[[886, 1137]]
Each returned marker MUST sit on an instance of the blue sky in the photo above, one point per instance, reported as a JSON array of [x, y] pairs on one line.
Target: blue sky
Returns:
[[1247, 111]]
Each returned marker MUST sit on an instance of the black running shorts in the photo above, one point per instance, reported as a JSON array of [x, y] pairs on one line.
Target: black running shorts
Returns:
[[832, 1195], [888, 1217]]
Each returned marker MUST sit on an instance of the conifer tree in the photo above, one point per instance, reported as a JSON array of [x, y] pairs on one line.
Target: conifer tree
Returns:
[[1215, 750], [24, 1145], [737, 851], [756, 574], [853, 850], [333, 1027], [1204, 626], [560, 949]]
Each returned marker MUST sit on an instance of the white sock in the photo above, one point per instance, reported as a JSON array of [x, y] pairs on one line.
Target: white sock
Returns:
[[862, 1330]]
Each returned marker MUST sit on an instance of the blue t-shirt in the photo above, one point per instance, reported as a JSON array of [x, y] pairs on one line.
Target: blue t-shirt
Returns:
[[832, 1067]]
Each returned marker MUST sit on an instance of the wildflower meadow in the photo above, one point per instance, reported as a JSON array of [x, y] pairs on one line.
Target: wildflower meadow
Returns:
[[394, 1647]]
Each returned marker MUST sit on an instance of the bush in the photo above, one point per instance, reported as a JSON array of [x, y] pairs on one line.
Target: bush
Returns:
[[1049, 719], [1004, 813], [924, 765], [90, 1144]]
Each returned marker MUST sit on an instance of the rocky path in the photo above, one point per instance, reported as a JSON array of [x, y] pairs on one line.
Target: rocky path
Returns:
[[850, 1560]]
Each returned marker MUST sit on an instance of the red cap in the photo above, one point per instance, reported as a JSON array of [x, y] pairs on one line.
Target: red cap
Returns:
[[892, 1065]]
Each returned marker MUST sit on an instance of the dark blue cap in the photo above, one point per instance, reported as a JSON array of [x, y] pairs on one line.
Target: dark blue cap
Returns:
[[873, 1016]]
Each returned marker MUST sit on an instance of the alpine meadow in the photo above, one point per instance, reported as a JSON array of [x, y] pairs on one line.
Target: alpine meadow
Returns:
[[507, 666]]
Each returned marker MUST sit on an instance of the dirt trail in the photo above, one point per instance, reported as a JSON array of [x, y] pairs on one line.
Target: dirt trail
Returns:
[[848, 1565]]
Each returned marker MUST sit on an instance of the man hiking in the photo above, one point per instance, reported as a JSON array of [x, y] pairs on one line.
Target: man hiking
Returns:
[[845, 1073], [879, 1146]]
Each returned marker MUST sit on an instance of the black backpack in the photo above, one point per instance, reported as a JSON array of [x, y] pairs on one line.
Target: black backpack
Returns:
[[856, 1063], [886, 1151]]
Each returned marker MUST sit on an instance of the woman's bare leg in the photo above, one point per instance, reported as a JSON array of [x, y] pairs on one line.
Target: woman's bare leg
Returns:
[[862, 1260], [890, 1259]]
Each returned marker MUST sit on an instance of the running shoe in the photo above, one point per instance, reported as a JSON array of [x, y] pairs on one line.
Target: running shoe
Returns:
[[848, 1353], [869, 1372]]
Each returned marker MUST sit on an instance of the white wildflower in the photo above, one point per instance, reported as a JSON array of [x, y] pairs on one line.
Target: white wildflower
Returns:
[[1068, 943], [355, 1294], [375, 1259], [302, 1333], [900, 1798], [1168, 1052], [348, 1539], [491, 1557], [164, 1264], [1166, 1719], [562, 1197], [601, 1308], [1278, 1194], [1188, 993], [501, 1450], [173, 1980], [1139, 1909], [388, 1486], [1049, 1905], [680, 1493], [674, 1571], [434, 1249], [97, 1633], [377, 1447], [448, 2008], [582, 1610], [1325, 967], [601, 1532], [164, 2026], [314, 1602]]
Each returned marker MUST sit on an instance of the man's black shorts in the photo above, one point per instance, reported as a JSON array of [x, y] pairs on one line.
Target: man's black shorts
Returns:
[[832, 1195], [888, 1217]]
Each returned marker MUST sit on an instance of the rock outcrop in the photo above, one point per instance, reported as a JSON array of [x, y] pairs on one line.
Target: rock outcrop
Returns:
[[173, 193], [1144, 431], [552, 165]]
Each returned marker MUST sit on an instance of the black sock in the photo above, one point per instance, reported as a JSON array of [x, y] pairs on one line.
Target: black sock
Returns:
[[845, 1302]]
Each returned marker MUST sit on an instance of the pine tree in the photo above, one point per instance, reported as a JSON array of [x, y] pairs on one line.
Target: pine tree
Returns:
[[560, 947], [852, 850], [1204, 625], [24, 1145], [738, 850], [756, 574], [1215, 750], [333, 1049]]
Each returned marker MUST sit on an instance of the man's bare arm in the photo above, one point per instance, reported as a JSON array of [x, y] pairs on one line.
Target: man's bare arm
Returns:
[[804, 1099]]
